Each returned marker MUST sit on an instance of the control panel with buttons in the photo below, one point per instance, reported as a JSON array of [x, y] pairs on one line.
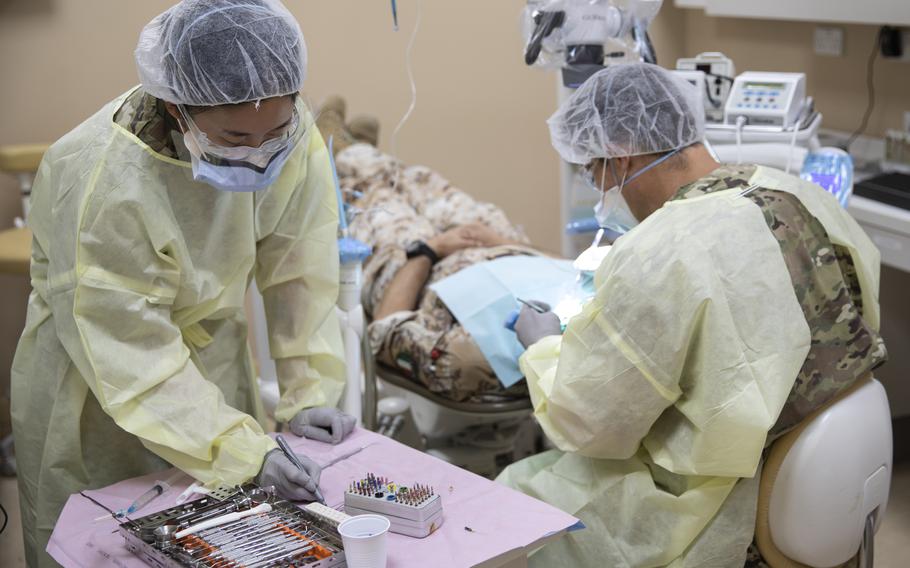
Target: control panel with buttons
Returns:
[[766, 99]]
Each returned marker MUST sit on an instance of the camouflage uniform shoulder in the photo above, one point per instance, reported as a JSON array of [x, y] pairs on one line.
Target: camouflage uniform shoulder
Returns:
[[726, 176], [145, 116]]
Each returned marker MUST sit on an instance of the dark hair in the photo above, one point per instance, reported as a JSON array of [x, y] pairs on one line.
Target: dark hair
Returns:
[[195, 109]]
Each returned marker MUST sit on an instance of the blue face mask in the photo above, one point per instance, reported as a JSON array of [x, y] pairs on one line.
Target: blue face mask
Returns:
[[238, 168], [240, 177]]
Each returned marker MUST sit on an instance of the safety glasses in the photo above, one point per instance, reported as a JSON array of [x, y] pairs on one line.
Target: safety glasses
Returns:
[[259, 156]]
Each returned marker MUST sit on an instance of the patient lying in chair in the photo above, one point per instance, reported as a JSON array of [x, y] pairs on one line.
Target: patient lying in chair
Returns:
[[411, 330]]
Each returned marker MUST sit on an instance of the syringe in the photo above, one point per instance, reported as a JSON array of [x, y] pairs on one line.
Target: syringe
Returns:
[[152, 493]]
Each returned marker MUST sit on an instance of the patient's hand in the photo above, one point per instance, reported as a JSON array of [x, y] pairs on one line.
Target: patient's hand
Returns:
[[452, 241], [404, 290], [466, 236], [484, 236]]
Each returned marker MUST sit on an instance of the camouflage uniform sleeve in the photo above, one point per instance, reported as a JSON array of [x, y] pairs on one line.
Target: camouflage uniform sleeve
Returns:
[[844, 347]]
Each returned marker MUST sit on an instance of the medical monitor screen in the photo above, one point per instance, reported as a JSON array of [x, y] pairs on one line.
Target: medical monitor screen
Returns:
[[768, 86]]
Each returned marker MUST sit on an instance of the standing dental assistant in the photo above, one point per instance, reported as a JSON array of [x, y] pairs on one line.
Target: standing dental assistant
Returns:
[[150, 219]]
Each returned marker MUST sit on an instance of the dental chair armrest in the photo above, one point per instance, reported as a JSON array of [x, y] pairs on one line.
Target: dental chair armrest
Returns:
[[15, 251], [398, 379], [21, 158]]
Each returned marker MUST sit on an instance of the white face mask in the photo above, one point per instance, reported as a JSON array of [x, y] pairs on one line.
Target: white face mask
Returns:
[[612, 211]]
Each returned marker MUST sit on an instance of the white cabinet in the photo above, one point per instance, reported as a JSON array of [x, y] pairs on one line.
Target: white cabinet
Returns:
[[890, 12], [887, 226]]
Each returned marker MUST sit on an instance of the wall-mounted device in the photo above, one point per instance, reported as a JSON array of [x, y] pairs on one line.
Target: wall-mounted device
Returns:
[[583, 36], [698, 79], [718, 70], [767, 99]]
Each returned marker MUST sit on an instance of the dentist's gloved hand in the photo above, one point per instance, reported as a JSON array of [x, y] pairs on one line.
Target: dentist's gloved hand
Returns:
[[323, 424], [291, 483], [532, 326]]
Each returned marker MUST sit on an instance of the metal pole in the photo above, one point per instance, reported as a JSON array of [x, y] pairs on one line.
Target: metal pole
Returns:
[[369, 386]]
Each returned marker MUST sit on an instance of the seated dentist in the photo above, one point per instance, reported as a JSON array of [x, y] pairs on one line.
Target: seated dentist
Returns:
[[149, 220], [738, 300]]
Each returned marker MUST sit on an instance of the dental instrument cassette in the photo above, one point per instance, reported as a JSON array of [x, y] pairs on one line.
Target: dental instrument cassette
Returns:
[[252, 528], [413, 511]]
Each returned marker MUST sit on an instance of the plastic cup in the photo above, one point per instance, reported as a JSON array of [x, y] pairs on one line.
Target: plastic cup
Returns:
[[365, 538]]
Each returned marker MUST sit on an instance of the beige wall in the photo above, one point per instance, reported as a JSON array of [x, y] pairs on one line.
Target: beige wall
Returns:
[[480, 113], [479, 116]]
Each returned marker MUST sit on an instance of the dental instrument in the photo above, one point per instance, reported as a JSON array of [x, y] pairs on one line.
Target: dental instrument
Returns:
[[289, 453]]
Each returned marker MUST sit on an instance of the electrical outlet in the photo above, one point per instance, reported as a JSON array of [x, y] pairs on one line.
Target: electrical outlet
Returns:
[[829, 40], [896, 44]]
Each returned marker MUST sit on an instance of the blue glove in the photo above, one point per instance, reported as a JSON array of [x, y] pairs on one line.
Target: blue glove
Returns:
[[512, 320]]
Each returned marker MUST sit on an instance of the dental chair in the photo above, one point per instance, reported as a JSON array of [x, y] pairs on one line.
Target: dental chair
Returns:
[[824, 485], [481, 437], [267, 373]]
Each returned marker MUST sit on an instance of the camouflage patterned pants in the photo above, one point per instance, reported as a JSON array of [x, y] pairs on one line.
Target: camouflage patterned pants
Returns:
[[398, 204]]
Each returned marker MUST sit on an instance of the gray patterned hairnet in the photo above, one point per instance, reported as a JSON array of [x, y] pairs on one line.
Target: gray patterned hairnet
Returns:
[[627, 110], [213, 52]]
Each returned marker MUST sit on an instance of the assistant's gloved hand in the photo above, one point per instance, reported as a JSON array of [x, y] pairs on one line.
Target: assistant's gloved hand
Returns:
[[323, 424], [532, 326], [290, 482]]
